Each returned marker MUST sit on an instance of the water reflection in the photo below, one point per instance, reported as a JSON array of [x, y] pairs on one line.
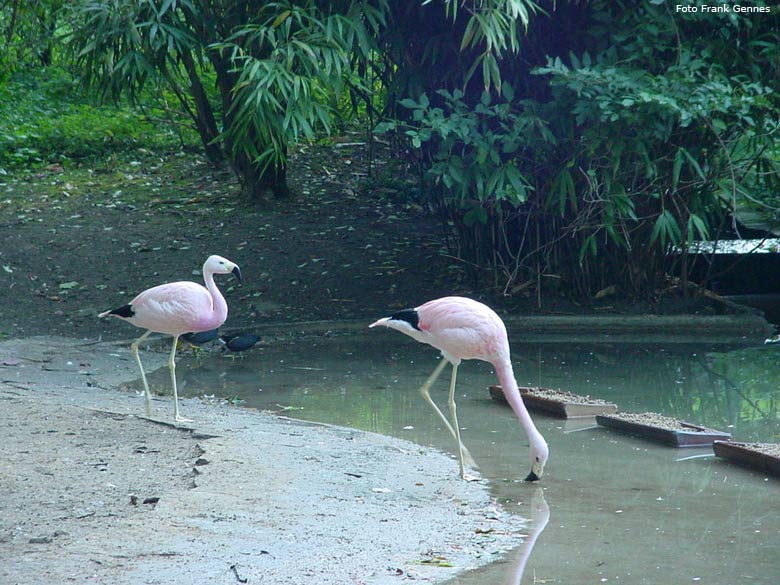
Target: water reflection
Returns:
[[736, 390], [511, 570], [623, 510], [539, 517]]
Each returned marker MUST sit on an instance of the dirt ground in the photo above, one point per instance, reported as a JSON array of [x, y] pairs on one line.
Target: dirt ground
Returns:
[[77, 241], [349, 244]]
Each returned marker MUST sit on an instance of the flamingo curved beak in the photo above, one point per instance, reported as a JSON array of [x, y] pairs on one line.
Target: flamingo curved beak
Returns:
[[536, 472], [237, 273]]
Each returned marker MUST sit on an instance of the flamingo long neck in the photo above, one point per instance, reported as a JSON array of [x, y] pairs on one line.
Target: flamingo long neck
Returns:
[[506, 377], [219, 305]]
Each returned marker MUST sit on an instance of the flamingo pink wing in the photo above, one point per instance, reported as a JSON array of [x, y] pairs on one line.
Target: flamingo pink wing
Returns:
[[173, 308], [464, 328]]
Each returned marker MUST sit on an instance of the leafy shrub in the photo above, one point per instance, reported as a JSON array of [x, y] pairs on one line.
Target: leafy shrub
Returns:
[[476, 166], [44, 119], [611, 158]]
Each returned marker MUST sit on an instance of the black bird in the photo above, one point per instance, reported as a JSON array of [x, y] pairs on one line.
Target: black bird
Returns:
[[238, 342], [201, 338]]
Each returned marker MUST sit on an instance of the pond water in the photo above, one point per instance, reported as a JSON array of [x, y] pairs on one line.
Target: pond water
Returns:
[[610, 508]]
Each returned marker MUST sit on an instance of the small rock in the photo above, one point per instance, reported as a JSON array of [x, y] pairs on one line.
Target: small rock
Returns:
[[47, 539]]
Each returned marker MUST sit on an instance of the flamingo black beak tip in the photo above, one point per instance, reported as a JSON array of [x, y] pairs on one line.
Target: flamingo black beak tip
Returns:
[[532, 477]]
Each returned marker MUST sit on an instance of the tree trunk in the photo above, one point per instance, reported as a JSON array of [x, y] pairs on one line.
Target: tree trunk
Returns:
[[255, 183], [9, 33], [204, 119], [258, 184]]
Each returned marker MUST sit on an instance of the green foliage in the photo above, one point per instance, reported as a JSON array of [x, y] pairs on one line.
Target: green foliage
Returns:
[[426, 46], [673, 135], [288, 68], [123, 45], [630, 132], [278, 68], [491, 30], [475, 152], [135, 48], [580, 143], [27, 34], [668, 142], [45, 119]]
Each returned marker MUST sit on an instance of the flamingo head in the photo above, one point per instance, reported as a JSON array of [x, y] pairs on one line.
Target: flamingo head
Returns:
[[406, 321], [219, 265], [539, 453]]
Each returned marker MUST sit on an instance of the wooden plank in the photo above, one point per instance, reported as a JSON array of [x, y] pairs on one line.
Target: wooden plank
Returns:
[[747, 456], [697, 436], [568, 406]]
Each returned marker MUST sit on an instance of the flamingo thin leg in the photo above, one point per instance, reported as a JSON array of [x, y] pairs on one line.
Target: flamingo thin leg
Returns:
[[136, 355], [172, 366], [425, 392], [454, 414], [462, 451]]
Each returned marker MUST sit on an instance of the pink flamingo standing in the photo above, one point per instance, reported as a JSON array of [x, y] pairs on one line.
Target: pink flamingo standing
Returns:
[[176, 308], [464, 329]]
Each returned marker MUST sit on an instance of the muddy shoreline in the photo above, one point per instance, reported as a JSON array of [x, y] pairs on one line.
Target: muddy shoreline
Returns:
[[94, 492]]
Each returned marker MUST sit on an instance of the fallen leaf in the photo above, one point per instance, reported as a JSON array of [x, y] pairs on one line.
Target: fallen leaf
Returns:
[[436, 562]]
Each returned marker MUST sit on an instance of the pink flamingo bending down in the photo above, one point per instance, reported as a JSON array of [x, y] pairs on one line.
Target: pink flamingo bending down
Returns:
[[177, 308], [464, 329]]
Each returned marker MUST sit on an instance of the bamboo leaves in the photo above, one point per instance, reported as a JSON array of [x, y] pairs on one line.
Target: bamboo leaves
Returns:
[[288, 69], [492, 29], [278, 68], [666, 229]]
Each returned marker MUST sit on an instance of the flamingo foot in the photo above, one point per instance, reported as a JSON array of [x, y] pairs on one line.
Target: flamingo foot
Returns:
[[470, 477]]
